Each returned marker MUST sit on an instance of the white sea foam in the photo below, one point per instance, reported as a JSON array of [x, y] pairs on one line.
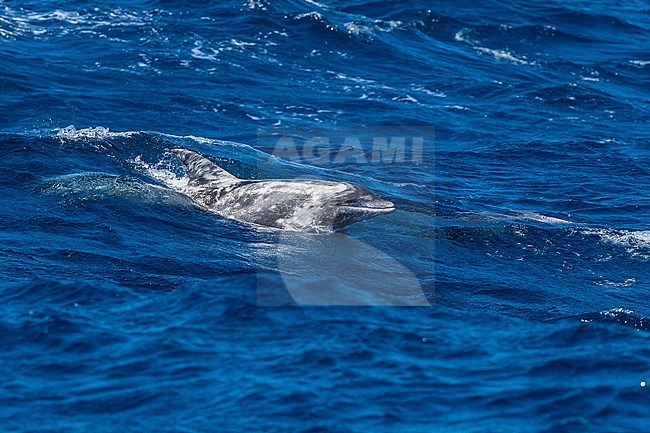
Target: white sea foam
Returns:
[[358, 29], [198, 53], [636, 243], [461, 36], [72, 133], [100, 18], [620, 315], [405, 98], [457, 107], [627, 283], [256, 5], [209, 50], [359, 80], [315, 15], [429, 92], [503, 55], [614, 312], [92, 133], [161, 171], [19, 22], [370, 29]]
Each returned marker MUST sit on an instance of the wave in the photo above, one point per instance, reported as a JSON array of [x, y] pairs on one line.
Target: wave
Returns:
[[88, 186]]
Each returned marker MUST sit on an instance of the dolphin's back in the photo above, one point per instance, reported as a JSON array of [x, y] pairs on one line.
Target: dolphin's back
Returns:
[[280, 203]]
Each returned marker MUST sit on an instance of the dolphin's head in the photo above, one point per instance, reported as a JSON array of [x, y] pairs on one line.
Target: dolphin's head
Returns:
[[359, 204]]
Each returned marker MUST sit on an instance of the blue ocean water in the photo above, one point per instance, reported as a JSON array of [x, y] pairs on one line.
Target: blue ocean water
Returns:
[[126, 308]]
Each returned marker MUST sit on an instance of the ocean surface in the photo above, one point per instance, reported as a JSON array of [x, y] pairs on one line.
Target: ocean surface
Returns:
[[524, 232]]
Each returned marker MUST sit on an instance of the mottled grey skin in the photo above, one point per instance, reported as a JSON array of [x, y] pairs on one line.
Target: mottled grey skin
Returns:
[[310, 205]]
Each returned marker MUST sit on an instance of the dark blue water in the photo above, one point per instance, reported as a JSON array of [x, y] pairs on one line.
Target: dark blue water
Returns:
[[126, 308]]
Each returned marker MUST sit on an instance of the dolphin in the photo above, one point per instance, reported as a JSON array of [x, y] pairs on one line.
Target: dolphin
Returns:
[[292, 204]]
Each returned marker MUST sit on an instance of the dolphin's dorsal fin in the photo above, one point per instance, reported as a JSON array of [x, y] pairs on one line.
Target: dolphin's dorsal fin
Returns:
[[200, 169]]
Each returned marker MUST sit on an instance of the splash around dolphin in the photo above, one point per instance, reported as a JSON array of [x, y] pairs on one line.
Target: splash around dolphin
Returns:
[[290, 204]]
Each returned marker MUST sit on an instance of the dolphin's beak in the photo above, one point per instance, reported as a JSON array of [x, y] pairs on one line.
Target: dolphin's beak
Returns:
[[362, 207]]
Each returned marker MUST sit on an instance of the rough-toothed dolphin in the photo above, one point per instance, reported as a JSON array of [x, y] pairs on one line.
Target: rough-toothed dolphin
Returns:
[[282, 203]]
